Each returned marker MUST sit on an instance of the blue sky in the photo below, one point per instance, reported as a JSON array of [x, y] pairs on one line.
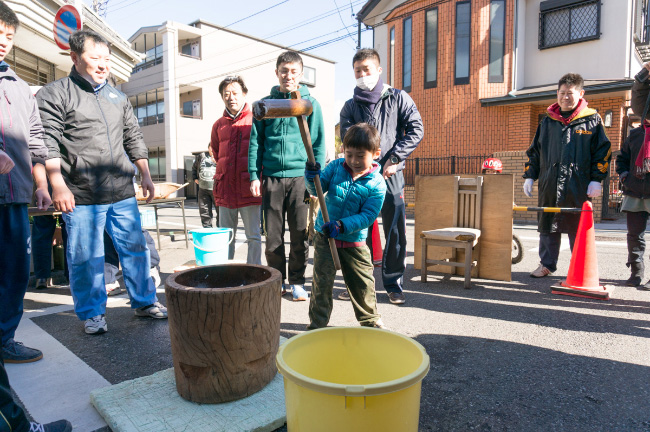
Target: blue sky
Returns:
[[127, 16]]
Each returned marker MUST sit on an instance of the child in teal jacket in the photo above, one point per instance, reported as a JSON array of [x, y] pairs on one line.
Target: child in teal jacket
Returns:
[[355, 191]]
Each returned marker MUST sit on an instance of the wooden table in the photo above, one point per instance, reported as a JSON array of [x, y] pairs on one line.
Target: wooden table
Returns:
[[164, 202]]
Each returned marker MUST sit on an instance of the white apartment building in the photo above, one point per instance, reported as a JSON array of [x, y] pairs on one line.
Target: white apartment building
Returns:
[[174, 90], [38, 60]]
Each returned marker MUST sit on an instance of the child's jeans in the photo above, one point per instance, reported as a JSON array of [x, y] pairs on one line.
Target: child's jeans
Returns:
[[357, 268]]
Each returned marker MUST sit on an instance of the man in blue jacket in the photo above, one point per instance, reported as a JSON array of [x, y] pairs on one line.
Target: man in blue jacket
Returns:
[[21, 154], [395, 115]]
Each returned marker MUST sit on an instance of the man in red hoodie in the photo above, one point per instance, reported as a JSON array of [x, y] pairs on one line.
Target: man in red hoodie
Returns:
[[570, 157]]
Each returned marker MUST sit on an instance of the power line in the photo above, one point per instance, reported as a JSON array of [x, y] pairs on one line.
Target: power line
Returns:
[[256, 13], [230, 72], [126, 5], [283, 31], [341, 18]]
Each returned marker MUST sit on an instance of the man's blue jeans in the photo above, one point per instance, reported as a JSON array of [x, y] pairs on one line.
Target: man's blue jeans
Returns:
[[85, 227], [15, 242]]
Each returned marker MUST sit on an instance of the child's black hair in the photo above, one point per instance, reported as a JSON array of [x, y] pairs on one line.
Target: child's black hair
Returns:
[[362, 136]]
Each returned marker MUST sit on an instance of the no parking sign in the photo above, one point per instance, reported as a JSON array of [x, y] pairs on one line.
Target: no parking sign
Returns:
[[66, 21]]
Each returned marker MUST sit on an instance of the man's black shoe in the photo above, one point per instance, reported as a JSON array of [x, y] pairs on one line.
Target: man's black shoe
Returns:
[[396, 298], [16, 352]]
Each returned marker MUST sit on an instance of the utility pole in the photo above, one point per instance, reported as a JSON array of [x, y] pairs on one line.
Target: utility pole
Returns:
[[99, 6]]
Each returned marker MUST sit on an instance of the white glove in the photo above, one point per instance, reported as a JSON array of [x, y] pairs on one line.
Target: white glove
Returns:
[[528, 187], [594, 189]]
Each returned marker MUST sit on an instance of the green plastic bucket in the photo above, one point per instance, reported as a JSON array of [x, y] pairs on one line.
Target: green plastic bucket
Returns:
[[211, 245]]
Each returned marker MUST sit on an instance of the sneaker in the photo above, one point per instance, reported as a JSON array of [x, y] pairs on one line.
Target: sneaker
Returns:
[[16, 352], [44, 283], [299, 293], [96, 325], [396, 298], [345, 295], [155, 275], [156, 310], [57, 426], [113, 288], [284, 290], [540, 272]]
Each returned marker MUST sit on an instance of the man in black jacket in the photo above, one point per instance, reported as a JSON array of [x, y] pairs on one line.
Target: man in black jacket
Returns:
[[570, 157], [395, 115], [636, 188], [93, 142]]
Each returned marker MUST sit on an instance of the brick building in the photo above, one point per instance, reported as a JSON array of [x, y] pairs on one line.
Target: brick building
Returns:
[[483, 72]]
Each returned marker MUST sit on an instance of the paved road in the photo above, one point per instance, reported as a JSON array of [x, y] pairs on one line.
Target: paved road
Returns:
[[504, 356]]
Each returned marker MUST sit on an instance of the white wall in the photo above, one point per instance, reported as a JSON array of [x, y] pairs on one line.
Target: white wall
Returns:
[[604, 58], [222, 54]]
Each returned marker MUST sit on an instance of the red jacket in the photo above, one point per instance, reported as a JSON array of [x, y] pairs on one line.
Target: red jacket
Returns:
[[229, 142]]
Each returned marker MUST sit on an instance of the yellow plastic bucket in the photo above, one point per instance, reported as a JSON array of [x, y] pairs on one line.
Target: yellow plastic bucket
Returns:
[[352, 379]]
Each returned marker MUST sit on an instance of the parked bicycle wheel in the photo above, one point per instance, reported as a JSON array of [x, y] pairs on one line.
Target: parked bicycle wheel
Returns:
[[517, 249]]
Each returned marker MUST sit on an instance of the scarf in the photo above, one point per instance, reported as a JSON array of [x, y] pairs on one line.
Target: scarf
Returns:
[[554, 112], [642, 164], [369, 97]]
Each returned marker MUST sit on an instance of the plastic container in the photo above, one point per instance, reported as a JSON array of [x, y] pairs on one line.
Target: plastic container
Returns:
[[147, 218], [352, 379], [211, 245]]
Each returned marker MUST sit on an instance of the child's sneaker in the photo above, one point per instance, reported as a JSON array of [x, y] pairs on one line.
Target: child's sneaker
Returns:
[[96, 325], [379, 324], [299, 293], [155, 310], [57, 426]]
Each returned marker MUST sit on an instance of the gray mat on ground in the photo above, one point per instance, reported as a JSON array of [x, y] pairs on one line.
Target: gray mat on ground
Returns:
[[152, 403]]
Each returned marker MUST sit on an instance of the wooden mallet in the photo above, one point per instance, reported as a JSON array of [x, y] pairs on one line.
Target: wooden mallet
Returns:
[[300, 109]]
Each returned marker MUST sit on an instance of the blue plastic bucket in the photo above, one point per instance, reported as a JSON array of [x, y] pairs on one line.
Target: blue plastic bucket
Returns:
[[211, 245]]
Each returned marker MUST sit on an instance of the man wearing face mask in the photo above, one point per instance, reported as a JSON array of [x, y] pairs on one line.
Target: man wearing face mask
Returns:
[[395, 115]]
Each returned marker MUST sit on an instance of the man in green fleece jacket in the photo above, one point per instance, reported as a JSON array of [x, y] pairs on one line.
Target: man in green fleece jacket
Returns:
[[276, 157]]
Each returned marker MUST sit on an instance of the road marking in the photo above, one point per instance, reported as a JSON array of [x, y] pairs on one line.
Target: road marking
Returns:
[[161, 222], [598, 242], [59, 385]]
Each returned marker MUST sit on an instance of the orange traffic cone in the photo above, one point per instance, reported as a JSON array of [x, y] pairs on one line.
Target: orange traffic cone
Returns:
[[582, 280]]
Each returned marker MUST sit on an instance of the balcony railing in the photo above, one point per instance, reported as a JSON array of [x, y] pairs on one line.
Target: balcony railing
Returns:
[[151, 120]]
